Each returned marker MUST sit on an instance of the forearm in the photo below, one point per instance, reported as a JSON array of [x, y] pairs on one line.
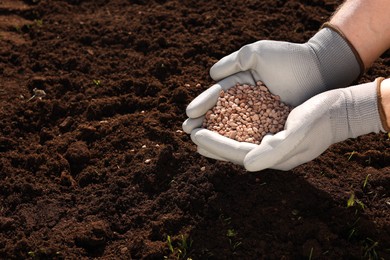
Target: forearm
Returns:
[[385, 99], [366, 24]]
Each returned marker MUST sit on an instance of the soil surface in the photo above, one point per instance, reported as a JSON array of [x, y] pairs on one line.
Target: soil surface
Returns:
[[99, 166]]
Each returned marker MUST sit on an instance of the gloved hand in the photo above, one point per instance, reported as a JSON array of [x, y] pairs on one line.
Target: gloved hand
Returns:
[[295, 72], [323, 120], [311, 128]]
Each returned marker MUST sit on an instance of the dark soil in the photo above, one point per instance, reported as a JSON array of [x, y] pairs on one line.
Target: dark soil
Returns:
[[75, 179]]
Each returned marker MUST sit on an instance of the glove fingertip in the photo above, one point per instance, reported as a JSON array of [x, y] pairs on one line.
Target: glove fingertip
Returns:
[[251, 165], [214, 72], [192, 123], [186, 126], [191, 111], [225, 67], [206, 100]]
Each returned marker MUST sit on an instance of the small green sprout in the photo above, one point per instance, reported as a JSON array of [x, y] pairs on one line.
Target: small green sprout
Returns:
[[352, 201], [231, 233], [350, 155], [97, 82], [311, 253], [169, 243], [352, 232], [366, 181], [235, 245], [361, 204], [38, 22], [370, 249], [181, 250]]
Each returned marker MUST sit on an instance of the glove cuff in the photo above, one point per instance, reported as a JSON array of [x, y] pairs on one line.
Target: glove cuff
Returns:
[[362, 109], [338, 62], [355, 52], [380, 106]]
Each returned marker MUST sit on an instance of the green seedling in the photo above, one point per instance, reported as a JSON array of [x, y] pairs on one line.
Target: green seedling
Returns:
[[235, 245], [366, 181], [326, 252], [231, 233], [361, 204], [311, 253], [352, 232], [350, 155], [169, 243], [38, 22], [370, 249], [184, 245], [352, 201], [97, 82], [181, 250]]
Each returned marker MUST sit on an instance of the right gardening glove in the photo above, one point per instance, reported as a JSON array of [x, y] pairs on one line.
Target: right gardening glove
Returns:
[[323, 120]]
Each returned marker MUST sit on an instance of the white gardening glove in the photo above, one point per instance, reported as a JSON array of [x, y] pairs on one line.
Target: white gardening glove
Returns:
[[323, 120], [295, 72]]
